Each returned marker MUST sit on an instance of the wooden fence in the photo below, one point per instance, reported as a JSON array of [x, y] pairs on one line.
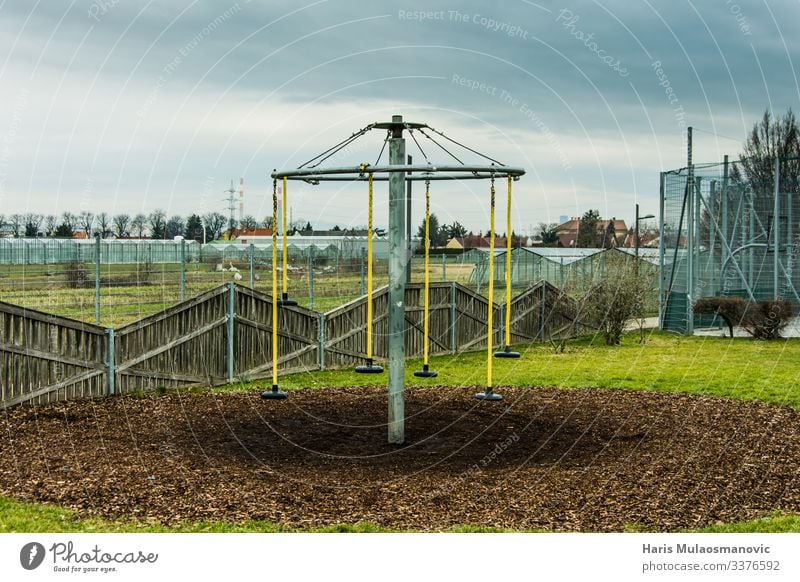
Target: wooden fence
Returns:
[[226, 334]]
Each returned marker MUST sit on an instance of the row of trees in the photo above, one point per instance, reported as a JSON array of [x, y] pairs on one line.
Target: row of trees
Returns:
[[155, 225], [440, 234]]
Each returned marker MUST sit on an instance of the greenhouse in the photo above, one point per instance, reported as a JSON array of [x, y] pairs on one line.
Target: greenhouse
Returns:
[[569, 269], [45, 251]]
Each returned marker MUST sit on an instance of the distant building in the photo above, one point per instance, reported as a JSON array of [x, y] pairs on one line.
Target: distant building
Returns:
[[649, 238], [567, 232], [474, 242]]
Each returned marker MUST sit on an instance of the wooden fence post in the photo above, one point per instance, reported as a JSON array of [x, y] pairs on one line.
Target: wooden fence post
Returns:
[[111, 362], [321, 341], [231, 316], [453, 319]]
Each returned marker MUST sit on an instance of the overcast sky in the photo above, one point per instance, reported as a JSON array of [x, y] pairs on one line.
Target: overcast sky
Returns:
[[127, 105]]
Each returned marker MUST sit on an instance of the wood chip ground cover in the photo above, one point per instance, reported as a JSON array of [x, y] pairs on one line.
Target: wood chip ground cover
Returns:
[[556, 459]]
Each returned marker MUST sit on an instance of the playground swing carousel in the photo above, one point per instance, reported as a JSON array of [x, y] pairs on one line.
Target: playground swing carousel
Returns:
[[397, 173]]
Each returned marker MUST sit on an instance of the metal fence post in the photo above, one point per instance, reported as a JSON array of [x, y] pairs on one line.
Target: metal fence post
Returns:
[[231, 319], [776, 243], [501, 317], [252, 265], [542, 310], [183, 269], [311, 278], [97, 280], [321, 341], [361, 288], [111, 363], [453, 317], [444, 267]]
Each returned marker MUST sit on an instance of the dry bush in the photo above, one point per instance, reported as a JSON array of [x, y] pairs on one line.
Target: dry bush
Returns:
[[614, 300], [761, 319], [766, 319], [730, 309], [76, 275]]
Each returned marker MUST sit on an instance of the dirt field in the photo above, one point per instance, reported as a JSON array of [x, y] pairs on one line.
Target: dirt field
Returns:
[[589, 460]]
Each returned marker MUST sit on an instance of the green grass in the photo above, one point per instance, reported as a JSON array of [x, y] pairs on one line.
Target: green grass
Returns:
[[17, 516], [739, 368], [46, 288], [776, 523]]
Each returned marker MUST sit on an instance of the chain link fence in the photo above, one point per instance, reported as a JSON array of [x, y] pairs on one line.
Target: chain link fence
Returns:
[[728, 230]]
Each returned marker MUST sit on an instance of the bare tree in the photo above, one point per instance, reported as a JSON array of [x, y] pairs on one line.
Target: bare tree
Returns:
[[158, 224], [33, 223], [17, 223], [139, 225], [69, 220], [769, 138], [215, 222], [50, 224], [248, 222], [86, 221], [104, 224], [121, 224], [2, 221], [175, 226]]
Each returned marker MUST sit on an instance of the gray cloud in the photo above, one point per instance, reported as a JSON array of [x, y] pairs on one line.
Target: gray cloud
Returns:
[[145, 100]]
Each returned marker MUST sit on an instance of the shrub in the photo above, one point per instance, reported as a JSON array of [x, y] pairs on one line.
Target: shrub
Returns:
[[766, 319], [730, 309], [614, 300], [761, 319], [76, 275]]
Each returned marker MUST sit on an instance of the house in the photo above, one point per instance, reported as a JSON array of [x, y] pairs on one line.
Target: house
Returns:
[[648, 238], [567, 232], [474, 242], [242, 235]]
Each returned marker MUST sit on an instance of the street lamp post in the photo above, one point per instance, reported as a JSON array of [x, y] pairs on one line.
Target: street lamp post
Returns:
[[636, 229], [636, 234]]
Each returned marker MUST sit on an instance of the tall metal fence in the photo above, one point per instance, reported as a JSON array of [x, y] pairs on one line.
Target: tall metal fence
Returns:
[[225, 334], [728, 229]]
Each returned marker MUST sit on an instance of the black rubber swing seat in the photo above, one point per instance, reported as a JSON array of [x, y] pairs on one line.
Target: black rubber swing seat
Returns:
[[274, 394], [489, 395], [425, 372], [507, 352], [369, 368], [284, 301]]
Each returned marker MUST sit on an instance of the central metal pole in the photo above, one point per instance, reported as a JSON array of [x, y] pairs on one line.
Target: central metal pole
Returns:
[[410, 250], [397, 284]]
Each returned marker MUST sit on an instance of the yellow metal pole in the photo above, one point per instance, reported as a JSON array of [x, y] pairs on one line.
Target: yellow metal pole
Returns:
[[274, 394], [491, 294], [275, 284], [426, 329], [369, 271], [508, 267], [285, 275]]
